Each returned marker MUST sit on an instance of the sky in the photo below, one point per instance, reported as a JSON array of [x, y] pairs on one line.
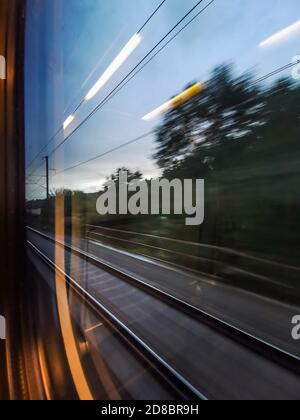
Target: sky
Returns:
[[70, 43]]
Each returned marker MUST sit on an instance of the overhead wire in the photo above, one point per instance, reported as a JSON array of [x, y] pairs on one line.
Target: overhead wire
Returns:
[[135, 140], [87, 118], [82, 101]]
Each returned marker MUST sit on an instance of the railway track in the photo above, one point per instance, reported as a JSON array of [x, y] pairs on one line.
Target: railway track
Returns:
[[193, 347]]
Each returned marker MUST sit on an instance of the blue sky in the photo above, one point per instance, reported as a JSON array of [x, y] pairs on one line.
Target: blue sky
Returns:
[[70, 43]]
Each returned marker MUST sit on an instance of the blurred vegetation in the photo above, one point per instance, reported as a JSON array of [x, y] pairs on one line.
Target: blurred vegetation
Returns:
[[243, 139]]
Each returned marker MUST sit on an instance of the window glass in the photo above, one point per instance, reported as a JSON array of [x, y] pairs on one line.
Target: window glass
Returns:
[[182, 90]]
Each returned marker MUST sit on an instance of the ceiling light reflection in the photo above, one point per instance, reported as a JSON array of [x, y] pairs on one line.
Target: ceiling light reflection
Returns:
[[115, 65], [68, 121], [279, 36]]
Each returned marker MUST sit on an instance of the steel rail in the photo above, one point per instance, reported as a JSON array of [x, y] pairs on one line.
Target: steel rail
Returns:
[[228, 251], [175, 379], [281, 357]]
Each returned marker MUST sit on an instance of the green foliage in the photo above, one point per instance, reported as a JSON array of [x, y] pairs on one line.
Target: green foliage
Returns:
[[243, 139]]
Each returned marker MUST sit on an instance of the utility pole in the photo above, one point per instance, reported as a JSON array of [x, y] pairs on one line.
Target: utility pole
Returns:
[[47, 176]]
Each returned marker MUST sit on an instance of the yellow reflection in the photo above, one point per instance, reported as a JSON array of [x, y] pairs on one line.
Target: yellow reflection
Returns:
[[175, 102], [76, 369], [44, 372]]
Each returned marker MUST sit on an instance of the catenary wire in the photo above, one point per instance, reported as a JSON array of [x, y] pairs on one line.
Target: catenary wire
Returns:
[[135, 140], [82, 101]]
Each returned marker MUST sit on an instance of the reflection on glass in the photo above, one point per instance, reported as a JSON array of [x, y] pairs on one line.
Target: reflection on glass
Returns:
[[238, 130]]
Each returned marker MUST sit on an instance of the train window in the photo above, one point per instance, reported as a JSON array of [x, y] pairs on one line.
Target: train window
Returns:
[[162, 172]]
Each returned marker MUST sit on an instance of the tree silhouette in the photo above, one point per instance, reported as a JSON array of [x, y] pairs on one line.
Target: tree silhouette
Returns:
[[227, 110], [243, 139]]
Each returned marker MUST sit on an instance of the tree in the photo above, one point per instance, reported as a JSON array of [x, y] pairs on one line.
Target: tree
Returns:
[[228, 110]]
